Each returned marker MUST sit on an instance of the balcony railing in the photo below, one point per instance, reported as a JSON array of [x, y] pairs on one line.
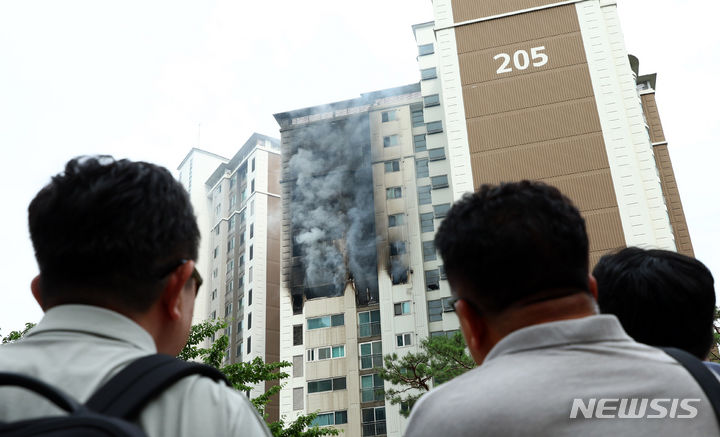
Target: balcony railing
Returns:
[[374, 428], [372, 394], [371, 329], [371, 361]]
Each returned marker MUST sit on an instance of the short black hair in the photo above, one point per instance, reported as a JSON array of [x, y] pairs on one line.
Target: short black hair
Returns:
[[511, 241], [105, 232], [662, 298]]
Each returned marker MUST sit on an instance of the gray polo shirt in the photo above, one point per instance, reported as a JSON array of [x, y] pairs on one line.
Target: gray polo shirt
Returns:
[[77, 348], [537, 378]]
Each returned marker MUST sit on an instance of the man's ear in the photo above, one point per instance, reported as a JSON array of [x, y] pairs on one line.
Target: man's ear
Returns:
[[172, 295], [474, 329], [36, 291], [592, 286]]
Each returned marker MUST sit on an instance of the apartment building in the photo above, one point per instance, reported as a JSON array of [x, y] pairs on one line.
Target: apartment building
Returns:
[[239, 217]]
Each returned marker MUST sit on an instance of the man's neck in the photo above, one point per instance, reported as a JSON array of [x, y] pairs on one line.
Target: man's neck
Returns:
[[573, 306]]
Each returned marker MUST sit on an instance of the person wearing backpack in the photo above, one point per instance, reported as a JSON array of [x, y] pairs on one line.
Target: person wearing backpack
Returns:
[[116, 243]]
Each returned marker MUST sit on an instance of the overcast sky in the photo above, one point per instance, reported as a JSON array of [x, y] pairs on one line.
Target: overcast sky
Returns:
[[148, 80]]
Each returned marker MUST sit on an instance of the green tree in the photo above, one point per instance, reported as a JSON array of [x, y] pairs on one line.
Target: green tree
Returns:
[[17, 335], [714, 354], [243, 375], [439, 360]]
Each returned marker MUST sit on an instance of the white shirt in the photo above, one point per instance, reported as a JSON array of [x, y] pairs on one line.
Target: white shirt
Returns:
[[77, 348]]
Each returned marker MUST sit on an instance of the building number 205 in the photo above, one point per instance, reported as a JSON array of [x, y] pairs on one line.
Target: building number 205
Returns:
[[521, 59]]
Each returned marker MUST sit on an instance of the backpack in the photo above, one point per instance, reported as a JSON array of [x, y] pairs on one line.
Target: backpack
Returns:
[[111, 410]]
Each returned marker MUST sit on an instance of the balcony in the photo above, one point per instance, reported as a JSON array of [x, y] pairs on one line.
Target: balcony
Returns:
[[371, 329], [374, 428], [371, 361], [372, 394]]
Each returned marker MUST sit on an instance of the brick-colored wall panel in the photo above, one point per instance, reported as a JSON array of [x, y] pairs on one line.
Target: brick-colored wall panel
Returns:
[[464, 10]]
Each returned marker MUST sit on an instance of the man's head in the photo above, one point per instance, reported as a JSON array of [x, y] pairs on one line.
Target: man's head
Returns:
[[112, 234], [511, 246], [662, 298]]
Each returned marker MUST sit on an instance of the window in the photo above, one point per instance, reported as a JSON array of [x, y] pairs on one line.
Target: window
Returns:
[[250, 253], [229, 287], [252, 184], [241, 279], [230, 265], [217, 210], [443, 275], [326, 353], [419, 142], [426, 49], [218, 190], [231, 223], [297, 366], [435, 310], [427, 222], [389, 116], [298, 397], [371, 388], [252, 230], [238, 352], [436, 154], [241, 261], [447, 303], [215, 272], [394, 192], [434, 127], [424, 196], [429, 251], [432, 279], [228, 309], [371, 355], [249, 348], [252, 165], [333, 418], [249, 321], [217, 230], [232, 202], [402, 308], [396, 220], [373, 421], [441, 210], [213, 295], [439, 182], [390, 141], [327, 385], [239, 327], [421, 168], [297, 335], [249, 299], [369, 323], [431, 100], [404, 340], [416, 115], [428, 73], [326, 321], [215, 251], [397, 248], [252, 206], [392, 166], [250, 274], [231, 244], [213, 315]]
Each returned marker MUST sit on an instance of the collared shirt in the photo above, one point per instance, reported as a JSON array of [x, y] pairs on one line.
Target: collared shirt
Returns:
[[77, 348], [535, 378]]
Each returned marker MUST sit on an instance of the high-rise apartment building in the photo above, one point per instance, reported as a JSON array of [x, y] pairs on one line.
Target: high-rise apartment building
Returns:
[[528, 89], [239, 215]]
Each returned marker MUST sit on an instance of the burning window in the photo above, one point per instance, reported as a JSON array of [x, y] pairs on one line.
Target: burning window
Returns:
[[432, 279], [397, 248]]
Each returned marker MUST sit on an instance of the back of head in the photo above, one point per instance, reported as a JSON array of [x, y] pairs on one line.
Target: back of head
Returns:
[[662, 298], [512, 242], [106, 232]]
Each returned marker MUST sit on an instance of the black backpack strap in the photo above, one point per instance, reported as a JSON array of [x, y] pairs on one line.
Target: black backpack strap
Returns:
[[126, 393], [39, 387], [704, 376]]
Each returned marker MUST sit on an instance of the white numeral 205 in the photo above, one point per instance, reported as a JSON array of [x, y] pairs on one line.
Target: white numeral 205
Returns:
[[521, 59]]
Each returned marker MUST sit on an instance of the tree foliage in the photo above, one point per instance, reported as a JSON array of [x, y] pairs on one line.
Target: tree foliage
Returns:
[[17, 335], [439, 360], [714, 354]]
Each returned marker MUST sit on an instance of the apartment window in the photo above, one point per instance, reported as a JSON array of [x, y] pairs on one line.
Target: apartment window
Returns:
[[238, 352], [432, 279], [230, 265], [371, 388], [441, 210], [428, 73], [213, 295], [249, 321], [249, 298], [215, 251], [371, 355], [229, 287], [241, 261], [394, 192], [252, 185], [439, 182], [218, 190], [443, 275], [389, 116], [298, 397], [419, 142], [217, 230], [431, 100], [239, 326], [297, 335], [402, 308], [397, 248], [232, 202], [434, 127], [215, 272], [427, 222], [396, 220], [228, 331], [426, 49], [250, 276], [231, 223], [436, 154], [326, 321], [389, 141], [228, 309], [241, 280], [416, 115], [429, 251], [435, 310], [297, 366], [232, 182], [249, 347], [403, 340], [326, 353], [447, 303], [421, 168], [252, 204], [217, 210], [252, 165], [332, 418], [213, 315], [331, 384], [250, 253], [424, 196], [252, 230], [392, 166], [231, 244], [369, 323], [373, 421]]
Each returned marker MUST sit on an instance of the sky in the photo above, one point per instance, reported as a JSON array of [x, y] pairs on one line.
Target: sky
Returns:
[[148, 80]]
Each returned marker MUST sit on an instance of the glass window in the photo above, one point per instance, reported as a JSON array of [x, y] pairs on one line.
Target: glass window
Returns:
[[391, 140], [249, 347], [369, 323], [397, 248], [402, 308], [324, 353], [432, 279], [421, 168], [435, 310], [323, 419], [404, 340], [441, 210], [427, 222], [447, 303], [371, 355], [426, 49], [392, 166], [318, 322], [419, 142], [340, 417], [372, 388], [337, 320], [338, 351], [249, 320], [389, 116], [396, 220], [394, 192], [297, 335], [428, 73], [416, 115], [434, 127], [439, 182], [429, 251], [424, 196], [436, 154], [431, 100]]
